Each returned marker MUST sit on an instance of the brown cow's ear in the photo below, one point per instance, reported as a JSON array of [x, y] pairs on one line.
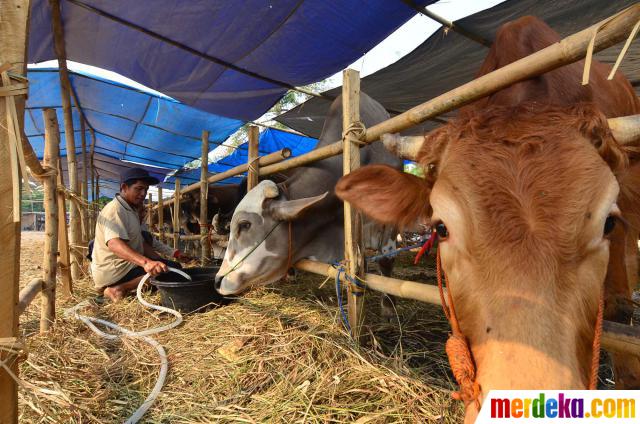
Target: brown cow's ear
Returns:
[[387, 195]]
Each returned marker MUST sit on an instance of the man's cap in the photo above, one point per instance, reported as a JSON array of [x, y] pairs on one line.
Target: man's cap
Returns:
[[133, 174]]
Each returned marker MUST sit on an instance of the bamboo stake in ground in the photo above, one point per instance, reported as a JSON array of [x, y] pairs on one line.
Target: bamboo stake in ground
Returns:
[[353, 248], [86, 222], [150, 212], [64, 262], [160, 214], [13, 33], [51, 143], [205, 245], [176, 215], [65, 90], [252, 161]]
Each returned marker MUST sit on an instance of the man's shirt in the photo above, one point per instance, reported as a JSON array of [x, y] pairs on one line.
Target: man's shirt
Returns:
[[116, 220]]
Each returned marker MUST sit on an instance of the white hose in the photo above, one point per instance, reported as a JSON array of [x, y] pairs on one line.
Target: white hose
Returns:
[[143, 335]]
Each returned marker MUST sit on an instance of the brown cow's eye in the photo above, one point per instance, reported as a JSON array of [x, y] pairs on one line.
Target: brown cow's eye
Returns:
[[609, 224], [442, 231], [244, 226]]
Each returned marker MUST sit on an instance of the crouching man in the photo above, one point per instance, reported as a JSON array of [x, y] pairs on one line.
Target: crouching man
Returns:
[[121, 256]]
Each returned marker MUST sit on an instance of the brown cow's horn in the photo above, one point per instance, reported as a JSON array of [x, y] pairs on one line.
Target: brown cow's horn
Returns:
[[626, 129], [403, 147]]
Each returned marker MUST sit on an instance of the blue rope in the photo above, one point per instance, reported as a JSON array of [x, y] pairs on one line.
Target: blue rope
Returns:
[[339, 296]]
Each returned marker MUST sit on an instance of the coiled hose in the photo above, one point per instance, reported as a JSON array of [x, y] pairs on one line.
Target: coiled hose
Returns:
[[143, 335]]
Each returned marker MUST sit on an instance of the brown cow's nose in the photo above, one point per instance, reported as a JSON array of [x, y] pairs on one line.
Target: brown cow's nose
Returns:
[[218, 283]]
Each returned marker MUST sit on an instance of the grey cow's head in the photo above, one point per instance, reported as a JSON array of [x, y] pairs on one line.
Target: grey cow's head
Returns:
[[258, 248]]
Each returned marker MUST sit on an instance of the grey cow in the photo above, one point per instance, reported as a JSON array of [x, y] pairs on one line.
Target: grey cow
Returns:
[[305, 210]]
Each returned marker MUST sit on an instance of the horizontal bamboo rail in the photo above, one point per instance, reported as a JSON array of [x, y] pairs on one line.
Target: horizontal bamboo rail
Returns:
[[568, 50], [615, 337], [28, 293], [269, 159], [621, 338], [401, 288], [192, 237], [625, 129]]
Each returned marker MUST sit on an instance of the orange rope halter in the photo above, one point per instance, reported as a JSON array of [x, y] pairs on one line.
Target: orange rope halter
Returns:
[[457, 348], [595, 358]]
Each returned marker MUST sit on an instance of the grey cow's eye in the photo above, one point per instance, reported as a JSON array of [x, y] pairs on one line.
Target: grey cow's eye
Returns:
[[243, 226]]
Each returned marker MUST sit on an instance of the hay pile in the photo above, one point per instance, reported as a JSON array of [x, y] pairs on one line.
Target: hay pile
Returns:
[[276, 355]]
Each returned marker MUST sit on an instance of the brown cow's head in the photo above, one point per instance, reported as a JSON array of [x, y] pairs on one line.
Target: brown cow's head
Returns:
[[527, 203]]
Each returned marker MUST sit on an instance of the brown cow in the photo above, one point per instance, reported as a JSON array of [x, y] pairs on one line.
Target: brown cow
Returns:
[[523, 187]]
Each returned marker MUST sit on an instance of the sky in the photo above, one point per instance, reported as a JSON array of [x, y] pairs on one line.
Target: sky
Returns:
[[401, 42]]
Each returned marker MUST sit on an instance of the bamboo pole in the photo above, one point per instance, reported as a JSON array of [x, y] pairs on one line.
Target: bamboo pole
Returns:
[[353, 246], [28, 293], [160, 214], [252, 160], [620, 338], [194, 237], [570, 49], [269, 159], [65, 90], [14, 18], [150, 211], [51, 144], [86, 223], [64, 262], [205, 245], [94, 182], [176, 215]]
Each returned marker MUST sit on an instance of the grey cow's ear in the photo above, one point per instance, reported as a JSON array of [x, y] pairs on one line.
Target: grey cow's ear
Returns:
[[289, 210]]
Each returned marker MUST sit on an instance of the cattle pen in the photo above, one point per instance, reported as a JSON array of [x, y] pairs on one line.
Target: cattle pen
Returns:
[[66, 244]]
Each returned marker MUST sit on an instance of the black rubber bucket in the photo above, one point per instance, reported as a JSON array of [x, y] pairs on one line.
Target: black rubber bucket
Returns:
[[186, 296]]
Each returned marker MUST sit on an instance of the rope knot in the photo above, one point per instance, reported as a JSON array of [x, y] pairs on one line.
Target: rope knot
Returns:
[[252, 165], [354, 133], [463, 369]]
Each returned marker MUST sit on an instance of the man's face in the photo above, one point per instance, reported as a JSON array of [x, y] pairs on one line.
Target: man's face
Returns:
[[135, 193]]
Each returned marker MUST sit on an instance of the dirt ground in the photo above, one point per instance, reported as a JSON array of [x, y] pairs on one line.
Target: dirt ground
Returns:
[[278, 354]]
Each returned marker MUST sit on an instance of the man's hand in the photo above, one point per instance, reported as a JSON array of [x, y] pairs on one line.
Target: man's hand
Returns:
[[155, 267]]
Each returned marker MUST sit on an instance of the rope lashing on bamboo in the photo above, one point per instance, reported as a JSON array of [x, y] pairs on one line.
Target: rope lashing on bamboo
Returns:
[[252, 165], [354, 133], [589, 55], [16, 154]]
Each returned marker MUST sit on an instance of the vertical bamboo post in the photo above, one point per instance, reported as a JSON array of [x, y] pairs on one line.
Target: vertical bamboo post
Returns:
[[86, 223], [353, 248], [64, 262], [94, 183], [51, 146], [176, 215], [205, 247], [160, 214], [150, 212], [252, 177], [65, 90], [13, 33]]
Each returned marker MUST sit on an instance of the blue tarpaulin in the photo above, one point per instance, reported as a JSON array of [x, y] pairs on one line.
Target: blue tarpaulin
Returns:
[[214, 44], [135, 128], [130, 125], [270, 140]]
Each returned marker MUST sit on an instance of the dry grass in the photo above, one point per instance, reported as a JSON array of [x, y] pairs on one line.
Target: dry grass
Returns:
[[276, 355]]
